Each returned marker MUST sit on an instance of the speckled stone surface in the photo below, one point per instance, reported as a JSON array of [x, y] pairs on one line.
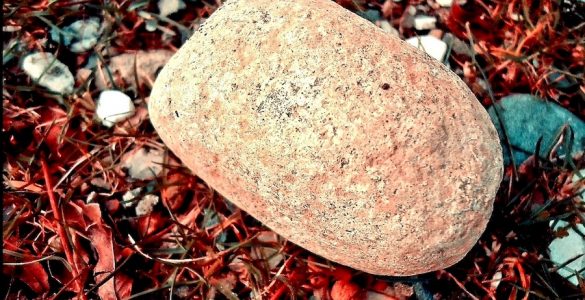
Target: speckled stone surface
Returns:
[[341, 138]]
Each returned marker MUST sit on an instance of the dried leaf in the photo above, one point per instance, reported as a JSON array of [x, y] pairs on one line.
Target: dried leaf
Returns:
[[101, 238], [346, 290], [32, 274]]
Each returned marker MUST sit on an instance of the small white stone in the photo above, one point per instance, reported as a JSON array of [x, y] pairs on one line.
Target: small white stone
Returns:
[[143, 164], [129, 196], [151, 25], [168, 7], [113, 107], [431, 45], [565, 248], [91, 197], [516, 17], [445, 3], [424, 22], [49, 72], [80, 36], [146, 204], [386, 26], [11, 28]]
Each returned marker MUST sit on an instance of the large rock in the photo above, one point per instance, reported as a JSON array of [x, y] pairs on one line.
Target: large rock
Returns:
[[343, 139], [528, 118]]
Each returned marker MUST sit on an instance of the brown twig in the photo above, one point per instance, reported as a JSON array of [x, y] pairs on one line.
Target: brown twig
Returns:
[[61, 229]]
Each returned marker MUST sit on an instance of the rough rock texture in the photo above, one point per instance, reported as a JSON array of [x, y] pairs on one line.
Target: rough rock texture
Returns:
[[338, 136]]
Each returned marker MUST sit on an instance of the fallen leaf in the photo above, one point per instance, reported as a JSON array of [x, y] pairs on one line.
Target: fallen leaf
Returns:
[[150, 224], [32, 274], [175, 187], [123, 285], [100, 236], [346, 290]]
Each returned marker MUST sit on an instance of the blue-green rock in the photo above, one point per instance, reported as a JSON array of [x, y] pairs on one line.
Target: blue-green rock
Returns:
[[527, 118], [371, 15]]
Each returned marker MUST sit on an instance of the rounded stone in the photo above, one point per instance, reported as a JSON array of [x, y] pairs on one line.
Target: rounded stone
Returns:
[[338, 136]]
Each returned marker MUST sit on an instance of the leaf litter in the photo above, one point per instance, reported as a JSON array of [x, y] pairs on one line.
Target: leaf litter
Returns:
[[192, 243]]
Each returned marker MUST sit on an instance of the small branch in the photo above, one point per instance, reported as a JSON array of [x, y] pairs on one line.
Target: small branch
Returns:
[[461, 285], [61, 230]]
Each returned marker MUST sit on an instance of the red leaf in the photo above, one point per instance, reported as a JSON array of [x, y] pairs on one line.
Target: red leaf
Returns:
[[150, 224], [55, 129], [35, 276], [176, 186], [123, 285], [32, 274]]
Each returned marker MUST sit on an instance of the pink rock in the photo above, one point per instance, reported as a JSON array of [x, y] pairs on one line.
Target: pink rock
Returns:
[[338, 136]]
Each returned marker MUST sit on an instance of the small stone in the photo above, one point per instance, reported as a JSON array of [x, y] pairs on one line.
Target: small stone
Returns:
[[424, 22], [457, 45], [143, 164], [386, 26], [151, 25], [430, 45], [49, 72], [269, 254], [80, 36], [129, 197], [371, 15], [378, 157], [146, 205], [169, 7], [527, 118], [445, 3], [563, 249], [11, 28], [113, 107], [122, 68], [561, 81], [516, 17], [91, 197]]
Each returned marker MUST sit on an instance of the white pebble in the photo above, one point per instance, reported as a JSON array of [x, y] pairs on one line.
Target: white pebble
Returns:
[[431, 45], [129, 196], [168, 7], [80, 36], [445, 3], [563, 249], [424, 22], [113, 107], [146, 205], [516, 17], [144, 164], [49, 72], [386, 26]]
